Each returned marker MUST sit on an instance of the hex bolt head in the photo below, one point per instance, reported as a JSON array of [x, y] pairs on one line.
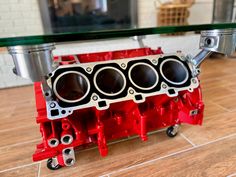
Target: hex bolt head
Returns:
[[95, 98], [52, 105], [194, 81], [88, 69], [123, 65], [164, 86], [154, 61], [131, 91]]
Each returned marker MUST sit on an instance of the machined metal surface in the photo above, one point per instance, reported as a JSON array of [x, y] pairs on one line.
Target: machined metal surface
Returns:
[[143, 76], [199, 58], [174, 71], [32, 62], [71, 86], [109, 81], [221, 41], [223, 11], [68, 155], [100, 84]]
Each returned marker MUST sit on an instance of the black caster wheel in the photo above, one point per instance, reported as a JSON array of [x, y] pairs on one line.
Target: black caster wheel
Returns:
[[172, 131], [52, 166]]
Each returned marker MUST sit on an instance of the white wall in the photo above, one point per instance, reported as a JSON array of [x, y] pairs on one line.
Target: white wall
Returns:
[[19, 18], [22, 17], [200, 12]]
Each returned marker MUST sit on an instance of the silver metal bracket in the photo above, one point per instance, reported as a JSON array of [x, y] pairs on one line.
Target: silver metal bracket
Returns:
[[139, 39], [68, 155]]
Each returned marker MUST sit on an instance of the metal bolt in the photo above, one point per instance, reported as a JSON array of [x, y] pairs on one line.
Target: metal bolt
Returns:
[[95, 98], [164, 86], [131, 91], [183, 58], [88, 69], [52, 105], [154, 61], [194, 81], [123, 65]]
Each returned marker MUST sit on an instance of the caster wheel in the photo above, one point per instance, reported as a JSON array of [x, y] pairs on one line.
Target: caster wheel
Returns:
[[172, 131], [52, 166]]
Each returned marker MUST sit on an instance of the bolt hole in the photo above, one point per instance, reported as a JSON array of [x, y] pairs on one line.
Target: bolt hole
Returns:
[[70, 161], [53, 142], [46, 94], [67, 151], [67, 139], [63, 111]]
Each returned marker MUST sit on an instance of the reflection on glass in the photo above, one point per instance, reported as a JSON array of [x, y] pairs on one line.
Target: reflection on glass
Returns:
[[87, 15]]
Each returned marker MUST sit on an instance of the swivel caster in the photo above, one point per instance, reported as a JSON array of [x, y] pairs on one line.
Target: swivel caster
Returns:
[[172, 131], [52, 164]]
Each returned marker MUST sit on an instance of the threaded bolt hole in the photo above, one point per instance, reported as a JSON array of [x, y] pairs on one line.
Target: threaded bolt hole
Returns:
[[70, 161], [67, 151]]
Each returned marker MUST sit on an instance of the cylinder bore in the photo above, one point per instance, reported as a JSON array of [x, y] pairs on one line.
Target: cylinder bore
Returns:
[[71, 86], [143, 76], [174, 71], [109, 81]]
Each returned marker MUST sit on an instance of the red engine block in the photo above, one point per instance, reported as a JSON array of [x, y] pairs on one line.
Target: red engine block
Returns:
[[91, 126]]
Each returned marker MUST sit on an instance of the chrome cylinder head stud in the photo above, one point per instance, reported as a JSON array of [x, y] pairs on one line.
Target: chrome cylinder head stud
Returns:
[[32, 62]]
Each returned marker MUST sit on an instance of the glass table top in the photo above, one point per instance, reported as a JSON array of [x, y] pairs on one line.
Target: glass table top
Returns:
[[59, 21], [106, 34]]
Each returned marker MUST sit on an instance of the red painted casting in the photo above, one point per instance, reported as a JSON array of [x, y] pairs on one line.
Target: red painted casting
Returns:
[[91, 126]]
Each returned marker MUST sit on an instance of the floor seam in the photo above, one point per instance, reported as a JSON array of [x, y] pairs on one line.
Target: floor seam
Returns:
[[172, 154], [187, 139], [21, 166], [39, 169], [18, 144], [226, 109], [232, 175], [10, 129]]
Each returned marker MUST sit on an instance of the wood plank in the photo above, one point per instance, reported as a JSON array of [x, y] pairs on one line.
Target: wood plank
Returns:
[[212, 109], [20, 115], [121, 155], [213, 128], [18, 95], [19, 135], [29, 171], [18, 155], [216, 159], [227, 102]]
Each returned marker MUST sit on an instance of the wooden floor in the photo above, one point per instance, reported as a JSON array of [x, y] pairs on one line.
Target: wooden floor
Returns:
[[209, 150]]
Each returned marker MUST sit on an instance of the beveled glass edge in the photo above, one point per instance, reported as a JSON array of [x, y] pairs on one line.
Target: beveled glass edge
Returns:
[[83, 36]]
